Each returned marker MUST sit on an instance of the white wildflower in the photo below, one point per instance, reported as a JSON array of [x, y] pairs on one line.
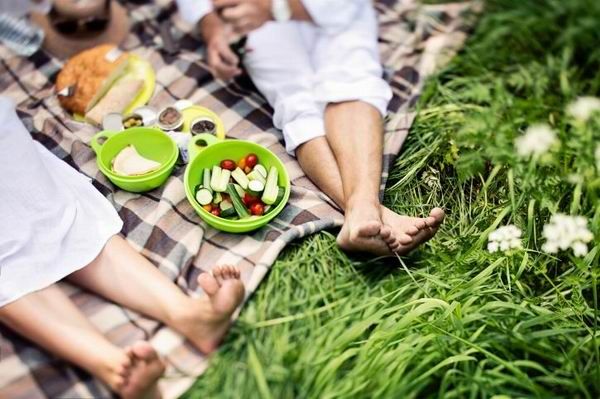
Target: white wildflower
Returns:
[[583, 108], [567, 232], [431, 178], [504, 239], [536, 141]]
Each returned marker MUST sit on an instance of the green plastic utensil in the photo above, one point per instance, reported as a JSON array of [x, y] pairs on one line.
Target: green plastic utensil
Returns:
[[150, 143], [206, 151]]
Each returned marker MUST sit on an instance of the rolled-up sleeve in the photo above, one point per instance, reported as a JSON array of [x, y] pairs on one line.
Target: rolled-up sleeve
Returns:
[[334, 14], [193, 11]]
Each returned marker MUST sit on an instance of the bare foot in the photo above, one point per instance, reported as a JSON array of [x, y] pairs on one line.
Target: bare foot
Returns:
[[363, 231], [207, 319], [133, 373], [420, 229]]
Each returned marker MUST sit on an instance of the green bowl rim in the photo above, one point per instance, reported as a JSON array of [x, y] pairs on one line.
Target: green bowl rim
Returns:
[[244, 222]]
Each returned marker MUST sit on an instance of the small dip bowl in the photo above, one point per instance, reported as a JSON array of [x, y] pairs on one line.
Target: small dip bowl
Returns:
[[170, 119], [203, 124], [133, 120]]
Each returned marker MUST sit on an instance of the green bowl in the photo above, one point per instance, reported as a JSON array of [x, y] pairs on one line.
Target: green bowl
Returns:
[[150, 143], [210, 153]]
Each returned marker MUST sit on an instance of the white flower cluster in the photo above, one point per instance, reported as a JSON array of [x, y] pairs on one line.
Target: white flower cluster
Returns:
[[583, 108], [431, 178], [504, 239], [536, 141], [564, 232]]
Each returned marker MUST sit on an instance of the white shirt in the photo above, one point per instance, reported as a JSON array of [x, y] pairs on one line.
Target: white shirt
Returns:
[[328, 14]]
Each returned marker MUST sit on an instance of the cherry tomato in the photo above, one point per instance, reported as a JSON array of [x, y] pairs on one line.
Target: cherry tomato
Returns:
[[257, 209], [242, 163], [251, 160], [207, 208], [216, 211], [249, 199], [228, 164], [247, 169]]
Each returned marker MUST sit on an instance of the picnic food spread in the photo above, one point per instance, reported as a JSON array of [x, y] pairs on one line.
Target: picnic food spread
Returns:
[[239, 190], [129, 162]]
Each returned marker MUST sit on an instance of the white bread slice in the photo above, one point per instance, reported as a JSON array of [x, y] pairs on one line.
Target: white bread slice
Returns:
[[119, 70], [129, 162], [116, 100]]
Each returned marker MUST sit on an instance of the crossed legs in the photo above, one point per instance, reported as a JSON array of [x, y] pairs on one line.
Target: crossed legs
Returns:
[[346, 165], [50, 319]]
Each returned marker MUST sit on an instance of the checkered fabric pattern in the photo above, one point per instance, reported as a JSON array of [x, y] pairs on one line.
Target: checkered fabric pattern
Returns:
[[415, 41]]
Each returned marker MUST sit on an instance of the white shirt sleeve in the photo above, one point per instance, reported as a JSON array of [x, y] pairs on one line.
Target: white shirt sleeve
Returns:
[[193, 11], [334, 14]]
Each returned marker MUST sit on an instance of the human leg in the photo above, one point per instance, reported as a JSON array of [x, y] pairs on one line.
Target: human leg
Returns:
[[124, 276], [349, 80], [51, 320]]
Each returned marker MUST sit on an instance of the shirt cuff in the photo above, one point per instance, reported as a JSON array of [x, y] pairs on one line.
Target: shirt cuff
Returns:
[[192, 11]]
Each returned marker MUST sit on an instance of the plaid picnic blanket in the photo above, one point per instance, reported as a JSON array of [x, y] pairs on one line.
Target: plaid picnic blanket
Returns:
[[415, 41]]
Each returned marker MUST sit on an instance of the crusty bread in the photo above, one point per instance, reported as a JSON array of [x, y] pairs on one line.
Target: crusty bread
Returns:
[[120, 95], [92, 73]]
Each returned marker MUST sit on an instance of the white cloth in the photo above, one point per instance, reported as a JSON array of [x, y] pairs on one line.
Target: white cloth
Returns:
[[329, 14], [300, 67], [52, 220]]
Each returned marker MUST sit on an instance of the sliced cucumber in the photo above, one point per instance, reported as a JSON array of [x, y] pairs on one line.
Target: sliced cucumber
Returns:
[[255, 187], [271, 190], [254, 175], [240, 177], [217, 198], [204, 196], [229, 213], [225, 204], [237, 202], [214, 180], [239, 190], [280, 194], [206, 178], [261, 169], [223, 181]]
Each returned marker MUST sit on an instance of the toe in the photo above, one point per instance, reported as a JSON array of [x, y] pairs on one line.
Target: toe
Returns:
[[405, 239], [208, 283], [144, 351], [386, 233], [438, 214], [411, 230]]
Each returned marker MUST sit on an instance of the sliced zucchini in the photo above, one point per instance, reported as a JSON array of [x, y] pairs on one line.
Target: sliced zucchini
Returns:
[[240, 177], [214, 180], [271, 190], [261, 169], [255, 187], [239, 190], [223, 181], [217, 198], [225, 204], [237, 202], [254, 175], [229, 213], [204, 196], [206, 178]]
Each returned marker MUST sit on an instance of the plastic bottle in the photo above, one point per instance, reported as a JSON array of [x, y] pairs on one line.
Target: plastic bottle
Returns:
[[19, 35]]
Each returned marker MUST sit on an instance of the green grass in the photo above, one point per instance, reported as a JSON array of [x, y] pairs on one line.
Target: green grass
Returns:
[[456, 321]]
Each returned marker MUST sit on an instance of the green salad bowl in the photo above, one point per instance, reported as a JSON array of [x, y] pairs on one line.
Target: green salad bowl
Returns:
[[206, 151], [150, 143]]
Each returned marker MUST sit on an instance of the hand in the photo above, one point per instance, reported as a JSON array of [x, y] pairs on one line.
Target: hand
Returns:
[[244, 15], [223, 62]]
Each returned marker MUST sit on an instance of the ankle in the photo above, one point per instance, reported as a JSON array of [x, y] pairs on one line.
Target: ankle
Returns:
[[365, 204]]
